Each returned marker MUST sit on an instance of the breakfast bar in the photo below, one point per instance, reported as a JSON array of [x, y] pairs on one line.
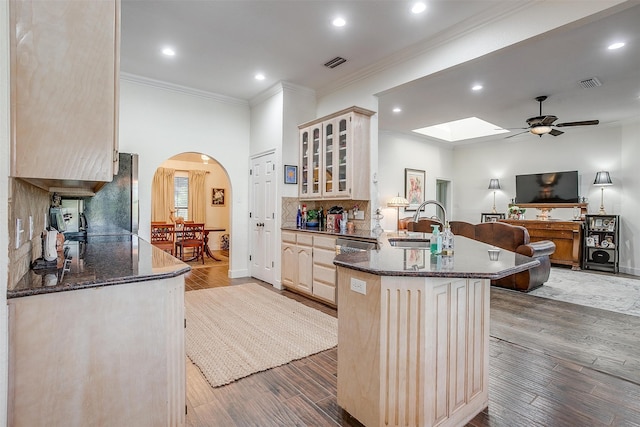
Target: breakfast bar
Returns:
[[413, 330]]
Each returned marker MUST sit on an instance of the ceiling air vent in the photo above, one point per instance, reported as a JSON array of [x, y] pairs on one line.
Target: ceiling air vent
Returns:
[[589, 83], [335, 62]]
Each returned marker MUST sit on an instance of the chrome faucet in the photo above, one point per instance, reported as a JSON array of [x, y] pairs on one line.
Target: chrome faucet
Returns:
[[431, 202]]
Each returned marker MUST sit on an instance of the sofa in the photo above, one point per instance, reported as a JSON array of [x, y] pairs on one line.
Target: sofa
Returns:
[[513, 238]]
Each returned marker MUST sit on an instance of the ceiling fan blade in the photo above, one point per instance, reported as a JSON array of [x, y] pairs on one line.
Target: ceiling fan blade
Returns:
[[516, 134], [541, 120], [548, 120], [555, 132], [583, 123]]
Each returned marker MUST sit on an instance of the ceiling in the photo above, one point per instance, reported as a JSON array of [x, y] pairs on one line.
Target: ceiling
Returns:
[[221, 45]]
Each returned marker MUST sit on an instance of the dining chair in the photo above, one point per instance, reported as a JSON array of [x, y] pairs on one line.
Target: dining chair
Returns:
[[163, 236], [191, 235]]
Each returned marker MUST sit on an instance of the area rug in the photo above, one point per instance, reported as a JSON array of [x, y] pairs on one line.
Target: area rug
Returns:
[[235, 331], [606, 291]]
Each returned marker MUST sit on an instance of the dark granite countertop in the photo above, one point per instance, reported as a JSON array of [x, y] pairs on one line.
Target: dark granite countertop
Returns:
[[357, 234], [102, 261], [470, 260]]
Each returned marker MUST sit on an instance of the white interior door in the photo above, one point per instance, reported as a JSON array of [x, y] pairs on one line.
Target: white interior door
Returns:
[[263, 214]]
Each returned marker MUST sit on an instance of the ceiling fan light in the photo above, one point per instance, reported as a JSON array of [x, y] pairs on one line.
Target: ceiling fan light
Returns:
[[540, 130]]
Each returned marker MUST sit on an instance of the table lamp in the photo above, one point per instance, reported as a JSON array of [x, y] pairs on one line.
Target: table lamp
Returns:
[[602, 180], [398, 202], [494, 184]]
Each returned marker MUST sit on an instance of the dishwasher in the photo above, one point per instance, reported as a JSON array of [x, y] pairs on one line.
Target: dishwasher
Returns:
[[346, 245]]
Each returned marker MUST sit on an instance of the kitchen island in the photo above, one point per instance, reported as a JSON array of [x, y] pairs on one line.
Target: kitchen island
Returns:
[[413, 330], [100, 342]]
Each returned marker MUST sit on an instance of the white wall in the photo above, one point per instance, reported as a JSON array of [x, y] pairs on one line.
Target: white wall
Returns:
[[399, 151], [4, 205], [629, 180], [158, 122]]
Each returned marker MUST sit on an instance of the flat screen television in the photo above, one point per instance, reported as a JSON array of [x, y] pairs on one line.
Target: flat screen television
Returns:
[[552, 187]]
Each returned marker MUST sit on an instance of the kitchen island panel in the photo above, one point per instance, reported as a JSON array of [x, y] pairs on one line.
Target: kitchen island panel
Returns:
[[415, 349], [111, 355]]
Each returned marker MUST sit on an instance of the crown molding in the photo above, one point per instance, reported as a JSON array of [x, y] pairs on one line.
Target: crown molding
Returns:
[[281, 86], [159, 84]]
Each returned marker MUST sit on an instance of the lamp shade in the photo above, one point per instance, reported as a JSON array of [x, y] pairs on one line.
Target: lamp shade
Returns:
[[398, 202], [602, 178], [494, 184]]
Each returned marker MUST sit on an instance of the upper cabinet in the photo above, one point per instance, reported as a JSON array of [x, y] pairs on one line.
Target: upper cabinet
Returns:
[[64, 93], [331, 148]]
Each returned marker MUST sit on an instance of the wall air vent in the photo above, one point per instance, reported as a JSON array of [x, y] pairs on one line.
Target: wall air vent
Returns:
[[335, 62], [589, 83]]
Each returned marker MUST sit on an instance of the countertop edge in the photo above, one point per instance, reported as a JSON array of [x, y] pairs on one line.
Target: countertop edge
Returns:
[[99, 284], [451, 274]]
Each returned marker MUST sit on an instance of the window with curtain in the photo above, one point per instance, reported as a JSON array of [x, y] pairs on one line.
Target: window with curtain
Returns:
[[181, 194]]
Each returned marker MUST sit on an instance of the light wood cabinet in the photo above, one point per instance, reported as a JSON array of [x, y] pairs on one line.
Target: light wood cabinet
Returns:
[[64, 93], [307, 264], [331, 148], [111, 355]]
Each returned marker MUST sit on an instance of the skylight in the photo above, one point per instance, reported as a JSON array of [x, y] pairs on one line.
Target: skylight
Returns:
[[459, 130]]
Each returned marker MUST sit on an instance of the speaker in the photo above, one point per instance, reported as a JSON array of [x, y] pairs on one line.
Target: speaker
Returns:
[[601, 257]]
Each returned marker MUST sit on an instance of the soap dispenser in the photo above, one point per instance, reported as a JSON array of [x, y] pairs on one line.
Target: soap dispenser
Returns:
[[436, 240]]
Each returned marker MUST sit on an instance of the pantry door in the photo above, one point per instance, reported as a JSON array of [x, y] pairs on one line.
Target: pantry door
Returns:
[[262, 219]]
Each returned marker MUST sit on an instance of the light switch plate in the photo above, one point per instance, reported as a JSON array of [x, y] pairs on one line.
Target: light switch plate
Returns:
[[18, 231]]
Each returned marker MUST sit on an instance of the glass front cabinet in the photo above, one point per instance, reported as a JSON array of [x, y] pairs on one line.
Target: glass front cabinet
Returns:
[[331, 149]]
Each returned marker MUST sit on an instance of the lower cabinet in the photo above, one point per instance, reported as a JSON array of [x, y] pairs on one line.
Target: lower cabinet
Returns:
[[307, 264], [111, 355]]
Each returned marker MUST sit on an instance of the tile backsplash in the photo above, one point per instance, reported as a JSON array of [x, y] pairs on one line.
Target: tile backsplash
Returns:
[[290, 210], [26, 200]]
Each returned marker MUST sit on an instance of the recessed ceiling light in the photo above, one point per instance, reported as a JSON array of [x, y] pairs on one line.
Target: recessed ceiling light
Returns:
[[339, 22], [459, 130], [168, 51], [418, 7], [615, 46], [259, 76], [397, 110], [476, 87]]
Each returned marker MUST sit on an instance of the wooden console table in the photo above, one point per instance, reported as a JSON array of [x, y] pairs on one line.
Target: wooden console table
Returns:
[[567, 235]]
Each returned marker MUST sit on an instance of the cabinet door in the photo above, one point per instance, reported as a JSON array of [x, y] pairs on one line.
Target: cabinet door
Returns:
[[305, 269], [337, 152], [289, 265], [64, 74], [311, 162]]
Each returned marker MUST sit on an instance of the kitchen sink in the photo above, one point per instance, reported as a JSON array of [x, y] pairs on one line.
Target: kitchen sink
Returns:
[[413, 243]]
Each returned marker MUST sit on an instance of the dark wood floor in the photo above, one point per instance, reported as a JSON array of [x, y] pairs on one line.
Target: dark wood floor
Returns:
[[552, 364]]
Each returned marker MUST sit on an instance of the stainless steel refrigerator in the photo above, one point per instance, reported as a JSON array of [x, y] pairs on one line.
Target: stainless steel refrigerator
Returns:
[[114, 208]]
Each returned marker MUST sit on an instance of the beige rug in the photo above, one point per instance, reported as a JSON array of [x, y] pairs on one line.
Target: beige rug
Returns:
[[235, 331]]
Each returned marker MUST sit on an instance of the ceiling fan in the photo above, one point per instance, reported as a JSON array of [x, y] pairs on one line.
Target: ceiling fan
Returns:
[[541, 125]]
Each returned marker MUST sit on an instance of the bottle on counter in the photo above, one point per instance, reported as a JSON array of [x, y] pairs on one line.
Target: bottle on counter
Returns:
[[304, 216], [436, 240], [320, 219], [447, 240], [299, 218]]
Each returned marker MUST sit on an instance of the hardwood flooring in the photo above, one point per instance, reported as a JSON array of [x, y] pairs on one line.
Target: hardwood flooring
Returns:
[[552, 364]]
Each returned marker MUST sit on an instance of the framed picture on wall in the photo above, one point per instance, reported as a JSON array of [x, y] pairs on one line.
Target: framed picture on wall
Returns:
[[217, 197], [414, 188], [492, 217], [290, 174]]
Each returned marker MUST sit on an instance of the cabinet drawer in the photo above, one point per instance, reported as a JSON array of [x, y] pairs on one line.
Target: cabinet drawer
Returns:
[[324, 274], [324, 242], [289, 236], [305, 239], [324, 291], [324, 256]]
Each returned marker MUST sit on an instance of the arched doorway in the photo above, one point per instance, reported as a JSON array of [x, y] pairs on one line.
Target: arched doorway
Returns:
[[195, 187]]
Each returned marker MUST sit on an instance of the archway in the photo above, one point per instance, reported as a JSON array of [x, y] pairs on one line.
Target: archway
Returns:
[[172, 201]]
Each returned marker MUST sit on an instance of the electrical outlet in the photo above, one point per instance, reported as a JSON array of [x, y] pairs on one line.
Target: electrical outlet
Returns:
[[359, 215], [359, 286]]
